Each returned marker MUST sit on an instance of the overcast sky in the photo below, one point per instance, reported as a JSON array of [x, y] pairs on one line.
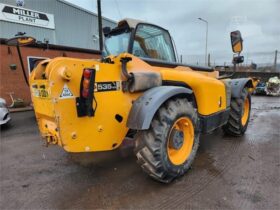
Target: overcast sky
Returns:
[[258, 21]]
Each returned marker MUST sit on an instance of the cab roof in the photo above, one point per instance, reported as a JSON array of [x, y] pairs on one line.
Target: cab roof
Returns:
[[131, 23]]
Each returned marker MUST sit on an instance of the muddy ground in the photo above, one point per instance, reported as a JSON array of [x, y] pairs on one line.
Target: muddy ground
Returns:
[[228, 173]]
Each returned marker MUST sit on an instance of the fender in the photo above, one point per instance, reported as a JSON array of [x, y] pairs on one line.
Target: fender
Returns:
[[144, 108], [237, 86]]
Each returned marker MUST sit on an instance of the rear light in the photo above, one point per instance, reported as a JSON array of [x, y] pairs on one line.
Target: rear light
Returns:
[[85, 93], [86, 103], [86, 82], [87, 73]]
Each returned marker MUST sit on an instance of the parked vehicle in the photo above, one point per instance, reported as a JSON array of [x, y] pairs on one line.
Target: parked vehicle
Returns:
[[273, 86], [4, 112], [260, 89]]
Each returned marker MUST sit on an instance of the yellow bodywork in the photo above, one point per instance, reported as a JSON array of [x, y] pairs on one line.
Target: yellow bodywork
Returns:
[[255, 82], [57, 115]]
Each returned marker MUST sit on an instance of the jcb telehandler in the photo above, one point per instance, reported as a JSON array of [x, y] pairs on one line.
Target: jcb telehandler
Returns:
[[138, 90]]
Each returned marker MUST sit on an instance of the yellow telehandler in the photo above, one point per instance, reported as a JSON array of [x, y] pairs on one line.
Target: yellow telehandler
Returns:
[[138, 90]]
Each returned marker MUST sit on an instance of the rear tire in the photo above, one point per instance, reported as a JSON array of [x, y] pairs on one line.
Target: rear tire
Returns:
[[240, 109], [155, 154]]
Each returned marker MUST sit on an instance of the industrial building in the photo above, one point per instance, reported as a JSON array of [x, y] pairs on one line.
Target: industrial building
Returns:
[[60, 28], [54, 21]]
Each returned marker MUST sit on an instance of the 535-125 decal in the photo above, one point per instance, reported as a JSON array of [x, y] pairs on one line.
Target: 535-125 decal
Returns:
[[107, 86]]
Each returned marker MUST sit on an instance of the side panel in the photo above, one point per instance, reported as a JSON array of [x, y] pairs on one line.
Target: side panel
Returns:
[[145, 107], [210, 93]]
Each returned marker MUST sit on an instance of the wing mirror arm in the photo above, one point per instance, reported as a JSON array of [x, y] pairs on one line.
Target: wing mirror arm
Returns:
[[236, 60]]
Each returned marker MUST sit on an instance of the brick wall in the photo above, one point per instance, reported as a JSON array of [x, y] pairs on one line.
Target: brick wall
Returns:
[[13, 80]]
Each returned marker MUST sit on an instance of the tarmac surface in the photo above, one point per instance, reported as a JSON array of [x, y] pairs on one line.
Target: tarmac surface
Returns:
[[228, 173]]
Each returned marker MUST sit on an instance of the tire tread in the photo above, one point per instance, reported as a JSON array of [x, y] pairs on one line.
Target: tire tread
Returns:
[[149, 142]]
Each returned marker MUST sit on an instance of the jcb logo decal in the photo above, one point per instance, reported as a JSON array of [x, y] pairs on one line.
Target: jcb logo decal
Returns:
[[106, 86]]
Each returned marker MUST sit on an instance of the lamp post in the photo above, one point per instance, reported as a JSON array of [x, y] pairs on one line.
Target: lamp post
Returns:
[[205, 21]]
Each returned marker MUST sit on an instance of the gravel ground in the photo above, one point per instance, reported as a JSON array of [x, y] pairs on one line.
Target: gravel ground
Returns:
[[228, 173]]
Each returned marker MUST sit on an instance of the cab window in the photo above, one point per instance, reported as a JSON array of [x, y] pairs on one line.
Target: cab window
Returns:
[[153, 42], [116, 43]]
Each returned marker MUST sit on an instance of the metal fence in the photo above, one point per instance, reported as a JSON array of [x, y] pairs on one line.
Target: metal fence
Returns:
[[259, 61]]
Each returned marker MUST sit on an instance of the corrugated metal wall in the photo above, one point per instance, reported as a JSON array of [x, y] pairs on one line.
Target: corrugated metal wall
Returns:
[[73, 27]]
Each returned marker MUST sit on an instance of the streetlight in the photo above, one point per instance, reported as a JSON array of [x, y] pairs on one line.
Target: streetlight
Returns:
[[205, 21]]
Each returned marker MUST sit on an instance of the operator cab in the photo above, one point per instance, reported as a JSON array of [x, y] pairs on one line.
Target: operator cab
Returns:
[[141, 39], [151, 43]]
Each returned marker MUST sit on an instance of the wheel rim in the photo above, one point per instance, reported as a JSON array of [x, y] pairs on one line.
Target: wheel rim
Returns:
[[180, 155], [245, 114]]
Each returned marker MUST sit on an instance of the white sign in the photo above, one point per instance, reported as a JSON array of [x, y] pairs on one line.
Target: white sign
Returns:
[[66, 93], [26, 16]]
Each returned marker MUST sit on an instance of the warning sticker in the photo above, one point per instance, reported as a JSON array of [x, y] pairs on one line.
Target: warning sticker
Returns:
[[66, 93]]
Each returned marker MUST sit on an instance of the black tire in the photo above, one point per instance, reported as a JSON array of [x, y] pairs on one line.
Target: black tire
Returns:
[[151, 144], [234, 126]]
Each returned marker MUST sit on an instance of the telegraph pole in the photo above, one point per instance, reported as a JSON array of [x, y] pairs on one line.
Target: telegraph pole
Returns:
[[100, 25]]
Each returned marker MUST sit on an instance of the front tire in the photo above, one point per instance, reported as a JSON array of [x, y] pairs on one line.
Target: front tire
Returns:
[[167, 149], [239, 114]]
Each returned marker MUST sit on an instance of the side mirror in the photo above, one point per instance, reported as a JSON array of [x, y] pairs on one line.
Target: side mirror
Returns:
[[236, 41], [21, 41], [106, 31]]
